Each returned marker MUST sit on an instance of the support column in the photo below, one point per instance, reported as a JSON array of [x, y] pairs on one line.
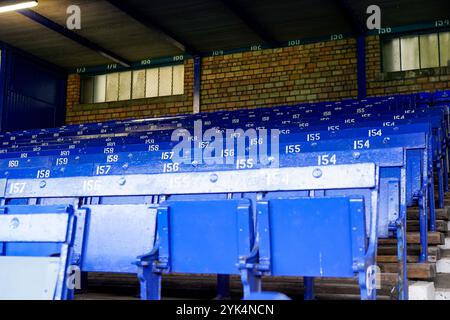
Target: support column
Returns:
[[197, 83], [2, 81], [361, 57]]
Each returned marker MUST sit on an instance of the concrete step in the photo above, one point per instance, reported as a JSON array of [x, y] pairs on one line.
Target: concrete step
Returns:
[[445, 245], [443, 266], [442, 294], [442, 286], [434, 238], [441, 214], [444, 253], [416, 271], [421, 290], [441, 225]]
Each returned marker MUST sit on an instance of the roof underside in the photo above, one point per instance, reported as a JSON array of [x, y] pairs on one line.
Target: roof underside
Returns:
[[198, 25]]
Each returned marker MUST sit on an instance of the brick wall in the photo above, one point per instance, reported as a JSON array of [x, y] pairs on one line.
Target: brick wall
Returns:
[[307, 73], [313, 72]]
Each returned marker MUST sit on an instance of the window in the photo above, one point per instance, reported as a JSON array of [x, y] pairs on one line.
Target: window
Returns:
[[138, 84], [416, 52]]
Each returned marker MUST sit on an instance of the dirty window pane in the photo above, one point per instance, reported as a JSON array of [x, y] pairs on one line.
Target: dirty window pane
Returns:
[[112, 87], [410, 53], [87, 90], [429, 51], [178, 79], [444, 40], [139, 84], [391, 55], [165, 81], [100, 89], [125, 85], [151, 84]]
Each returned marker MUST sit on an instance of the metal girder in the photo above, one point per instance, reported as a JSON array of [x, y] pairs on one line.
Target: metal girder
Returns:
[[154, 26], [32, 15], [251, 23], [359, 30], [197, 83], [350, 15], [361, 66]]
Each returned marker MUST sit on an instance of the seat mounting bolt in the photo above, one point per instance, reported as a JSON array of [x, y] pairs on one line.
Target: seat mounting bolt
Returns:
[[317, 173], [213, 178]]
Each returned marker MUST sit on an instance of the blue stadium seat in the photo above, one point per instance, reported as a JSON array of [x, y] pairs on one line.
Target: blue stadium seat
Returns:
[[119, 174], [36, 252]]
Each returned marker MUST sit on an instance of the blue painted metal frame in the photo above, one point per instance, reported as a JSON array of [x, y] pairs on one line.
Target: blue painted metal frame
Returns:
[[197, 84], [361, 58], [3, 66]]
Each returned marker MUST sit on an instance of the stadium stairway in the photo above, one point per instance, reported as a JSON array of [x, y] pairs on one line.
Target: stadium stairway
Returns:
[[442, 279]]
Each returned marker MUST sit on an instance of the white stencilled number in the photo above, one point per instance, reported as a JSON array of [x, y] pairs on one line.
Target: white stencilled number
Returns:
[[17, 188], [335, 37], [65, 153], [293, 148], [227, 153], [245, 164], [171, 167], [361, 144], [313, 137], [202, 144], [62, 161], [334, 128], [256, 141], [102, 170], [108, 150], [91, 185], [326, 160], [112, 158], [375, 133], [13, 163], [167, 155], [41, 174], [153, 147]]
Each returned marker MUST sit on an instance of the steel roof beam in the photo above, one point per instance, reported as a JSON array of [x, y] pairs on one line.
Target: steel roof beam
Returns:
[[346, 9], [250, 22], [36, 17], [155, 27]]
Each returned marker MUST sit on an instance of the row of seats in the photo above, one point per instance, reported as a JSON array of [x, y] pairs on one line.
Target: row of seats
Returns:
[[301, 190]]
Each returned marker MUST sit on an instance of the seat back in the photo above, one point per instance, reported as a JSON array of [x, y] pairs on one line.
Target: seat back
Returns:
[[313, 237], [116, 235], [204, 236], [36, 251]]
